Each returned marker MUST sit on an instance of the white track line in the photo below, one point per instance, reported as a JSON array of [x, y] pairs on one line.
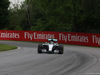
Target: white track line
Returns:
[[18, 47]]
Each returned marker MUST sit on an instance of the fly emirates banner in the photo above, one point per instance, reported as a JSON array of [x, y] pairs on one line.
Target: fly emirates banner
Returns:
[[85, 39]]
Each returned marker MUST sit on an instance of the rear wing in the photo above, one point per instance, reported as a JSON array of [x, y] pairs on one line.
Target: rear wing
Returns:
[[55, 40]]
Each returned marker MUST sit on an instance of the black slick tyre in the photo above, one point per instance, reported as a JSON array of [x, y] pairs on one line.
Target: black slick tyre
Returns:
[[40, 48], [61, 49]]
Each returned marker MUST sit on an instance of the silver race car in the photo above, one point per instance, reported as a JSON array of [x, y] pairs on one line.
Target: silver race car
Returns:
[[50, 47]]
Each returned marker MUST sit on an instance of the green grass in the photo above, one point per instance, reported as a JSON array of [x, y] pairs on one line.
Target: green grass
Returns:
[[4, 47]]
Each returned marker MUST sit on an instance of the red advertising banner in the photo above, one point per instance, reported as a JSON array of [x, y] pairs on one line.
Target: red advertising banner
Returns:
[[85, 39]]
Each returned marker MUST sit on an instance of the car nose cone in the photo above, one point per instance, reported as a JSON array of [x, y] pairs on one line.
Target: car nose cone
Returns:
[[50, 47]]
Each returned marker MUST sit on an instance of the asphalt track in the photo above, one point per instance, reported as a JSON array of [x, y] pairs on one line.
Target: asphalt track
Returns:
[[76, 60]]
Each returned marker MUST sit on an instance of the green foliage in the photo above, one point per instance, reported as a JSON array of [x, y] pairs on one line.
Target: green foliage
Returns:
[[16, 18], [56, 15], [4, 4]]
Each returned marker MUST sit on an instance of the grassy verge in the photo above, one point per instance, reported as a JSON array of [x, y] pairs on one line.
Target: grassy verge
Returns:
[[4, 47]]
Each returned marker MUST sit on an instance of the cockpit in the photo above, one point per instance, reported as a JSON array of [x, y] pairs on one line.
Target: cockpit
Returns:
[[52, 41]]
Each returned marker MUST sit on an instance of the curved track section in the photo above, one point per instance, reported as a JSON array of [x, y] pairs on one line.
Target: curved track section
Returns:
[[76, 60]]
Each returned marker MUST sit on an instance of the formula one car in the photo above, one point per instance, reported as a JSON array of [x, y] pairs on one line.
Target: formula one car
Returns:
[[50, 47]]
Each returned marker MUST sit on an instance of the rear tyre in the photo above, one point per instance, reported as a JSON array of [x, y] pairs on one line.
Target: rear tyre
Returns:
[[61, 49], [40, 48]]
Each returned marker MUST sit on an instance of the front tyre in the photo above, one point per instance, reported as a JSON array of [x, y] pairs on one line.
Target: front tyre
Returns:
[[40, 48], [61, 49]]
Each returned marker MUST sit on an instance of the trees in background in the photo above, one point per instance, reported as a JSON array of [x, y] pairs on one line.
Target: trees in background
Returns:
[[90, 20], [56, 15], [17, 16], [4, 19], [51, 15]]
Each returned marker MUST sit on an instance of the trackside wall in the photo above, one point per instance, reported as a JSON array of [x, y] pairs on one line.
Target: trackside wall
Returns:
[[84, 39]]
